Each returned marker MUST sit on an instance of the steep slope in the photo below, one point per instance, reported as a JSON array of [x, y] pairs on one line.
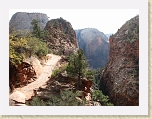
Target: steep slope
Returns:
[[95, 46], [120, 79], [61, 37], [22, 21], [27, 90]]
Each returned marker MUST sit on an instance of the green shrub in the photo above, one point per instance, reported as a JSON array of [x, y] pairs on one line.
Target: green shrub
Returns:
[[22, 46], [17, 49], [58, 70], [89, 74], [36, 102], [98, 96], [42, 50], [37, 47], [98, 76], [66, 98]]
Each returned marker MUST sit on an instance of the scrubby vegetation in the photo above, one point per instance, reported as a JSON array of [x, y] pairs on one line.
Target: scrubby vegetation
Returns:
[[58, 70], [98, 76], [17, 47], [25, 45], [65, 98], [22, 45], [98, 96], [132, 32], [69, 98], [77, 67]]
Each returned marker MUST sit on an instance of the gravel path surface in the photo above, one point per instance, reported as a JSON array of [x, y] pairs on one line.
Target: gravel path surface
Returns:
[[49, 66]]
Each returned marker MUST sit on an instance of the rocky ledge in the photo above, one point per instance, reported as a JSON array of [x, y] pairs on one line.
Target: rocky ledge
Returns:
[[120, 79]]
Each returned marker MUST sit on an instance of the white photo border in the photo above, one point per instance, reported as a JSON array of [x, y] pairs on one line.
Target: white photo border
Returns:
[[142, 109]]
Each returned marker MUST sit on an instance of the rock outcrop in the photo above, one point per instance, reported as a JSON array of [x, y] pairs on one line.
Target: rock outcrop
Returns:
[[37, 64], [95, 46], [21, 75], [17, 98], [62, 82], [120, 79], [61, 37], [22, 21]]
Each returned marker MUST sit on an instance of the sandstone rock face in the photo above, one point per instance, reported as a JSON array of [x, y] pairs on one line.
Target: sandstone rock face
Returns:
[[17, 96], [95, 46], [28, 71], [21, 75], [25, 73], [61, 37], [22, 21], [62, 82], [36, 64], [120, 79]]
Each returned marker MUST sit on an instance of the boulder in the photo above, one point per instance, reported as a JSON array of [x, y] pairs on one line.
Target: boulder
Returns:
[[17, 96], [88, 97], [36, 64], [95, 103]]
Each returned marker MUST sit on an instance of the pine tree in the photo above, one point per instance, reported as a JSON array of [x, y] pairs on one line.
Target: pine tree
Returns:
[[37, 32], [77, 66]]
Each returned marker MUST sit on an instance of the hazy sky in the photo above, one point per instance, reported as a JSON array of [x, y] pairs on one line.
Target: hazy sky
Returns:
[[105, 20]]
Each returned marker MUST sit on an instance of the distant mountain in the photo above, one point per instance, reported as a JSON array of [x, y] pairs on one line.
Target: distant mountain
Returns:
[[95, 46], [22, 21], [108, 35]]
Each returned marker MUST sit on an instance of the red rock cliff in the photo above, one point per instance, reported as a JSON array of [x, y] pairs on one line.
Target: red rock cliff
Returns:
[[120, 79], [61, 37]]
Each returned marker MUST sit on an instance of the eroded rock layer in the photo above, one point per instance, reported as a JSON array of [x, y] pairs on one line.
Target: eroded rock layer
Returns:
[[120, 79], [61, 37], [21, 75]]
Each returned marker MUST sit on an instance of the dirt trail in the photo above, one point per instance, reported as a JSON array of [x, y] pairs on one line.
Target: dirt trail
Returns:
[[49, 66]]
